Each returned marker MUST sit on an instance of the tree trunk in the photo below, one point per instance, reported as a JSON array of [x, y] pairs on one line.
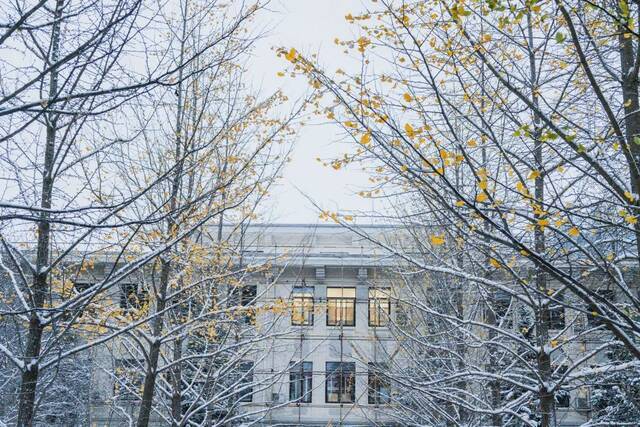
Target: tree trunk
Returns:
[[629, 77], [29, 380], [547, 400], [154, 349], [176, 384]]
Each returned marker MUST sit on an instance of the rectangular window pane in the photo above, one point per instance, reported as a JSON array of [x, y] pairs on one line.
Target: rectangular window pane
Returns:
[[341, 306], [556, 313], [248, 295], [593, 317], [301, 382], [302, 307], [379, 307], [379, 388], [245, 381], [130, 297], [340, 382]]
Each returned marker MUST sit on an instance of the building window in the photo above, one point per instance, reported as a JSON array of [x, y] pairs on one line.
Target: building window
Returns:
[[248, 294], [594, 318], [301, 381], [379, 388], [244, 382], [563, 399], [556, 313], [341, 306], [80, 287], [128, 379], [341, 382], [379, 307], [302, 309], [130, 298], [501, 304]]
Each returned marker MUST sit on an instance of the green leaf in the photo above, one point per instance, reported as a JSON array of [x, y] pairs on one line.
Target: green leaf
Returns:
[[636, 140], [560, 37]]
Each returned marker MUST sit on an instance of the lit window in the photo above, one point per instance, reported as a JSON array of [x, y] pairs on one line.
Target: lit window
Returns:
[[341, 382], [379, 307], [379, 388], [301, 382], [302, 310], [341, 306]]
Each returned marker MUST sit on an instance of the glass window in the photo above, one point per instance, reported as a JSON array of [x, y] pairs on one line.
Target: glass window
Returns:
[[556, 313], [128, 379], [379, 388], [302, 309], [80, 287], [341, 382], [341, 306], [379, 307], [301, 381], [244, 382], [129, 296], [562, 397], [248, 295], [593, 316]]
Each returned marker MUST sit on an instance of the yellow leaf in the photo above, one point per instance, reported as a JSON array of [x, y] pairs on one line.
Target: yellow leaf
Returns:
[[534, 174], [348, 218], [472, 143], [574, 232], [350, 125], [522, 189], [460, 203], [410, 131], [407, 97], [280, 73], [481, 197], [495, 263], [363, 42], [292, 55], [631, 219], [542, 223], [482, 185], [437, 240], [486, 38], [554, 343], [629, 196], [365, 139]]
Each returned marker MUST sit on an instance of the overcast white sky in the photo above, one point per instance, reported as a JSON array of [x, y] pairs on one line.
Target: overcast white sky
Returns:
[[310, 26]]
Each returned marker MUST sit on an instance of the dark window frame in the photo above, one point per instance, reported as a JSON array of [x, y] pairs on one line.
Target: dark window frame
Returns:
[[129, 290], [557, 317], [245, 375], [126, 390], [247, 298], [346, 381], [301, 382], [385, 318], [375, 396], [593, 321], [343, 309]]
